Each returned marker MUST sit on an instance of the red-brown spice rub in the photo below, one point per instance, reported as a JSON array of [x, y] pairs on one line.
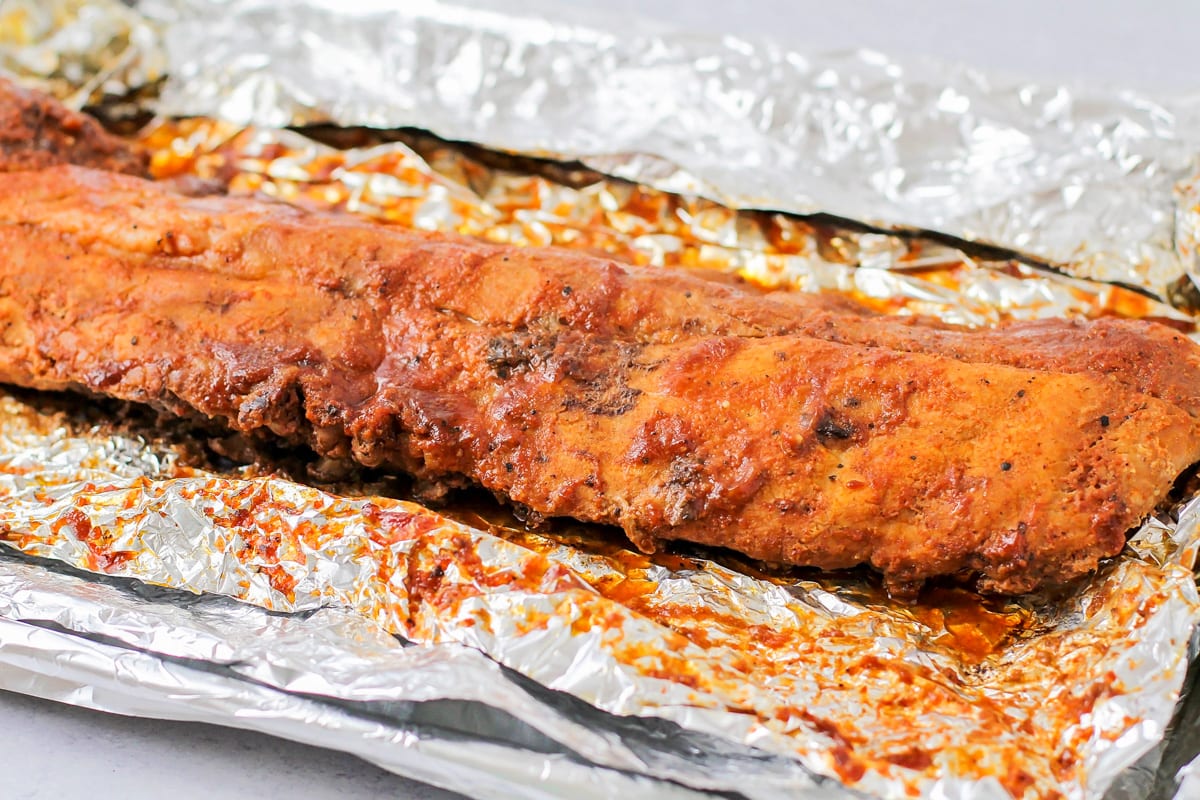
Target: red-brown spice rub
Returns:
[[671, 406], [37, 131]]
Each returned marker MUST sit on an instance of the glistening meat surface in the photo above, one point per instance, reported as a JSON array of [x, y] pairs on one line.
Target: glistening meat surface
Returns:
[[674, 407]]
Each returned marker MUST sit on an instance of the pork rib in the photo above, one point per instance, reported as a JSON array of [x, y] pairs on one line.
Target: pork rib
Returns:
[[671, 406], [37, 131]]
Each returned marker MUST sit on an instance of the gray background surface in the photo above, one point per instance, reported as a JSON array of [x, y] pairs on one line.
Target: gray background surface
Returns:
[[54, 751]]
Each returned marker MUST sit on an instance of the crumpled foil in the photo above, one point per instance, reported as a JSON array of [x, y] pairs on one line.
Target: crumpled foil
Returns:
[[81, 50], [984, 696], [465, 651], [1077, 178], [1080, 181], [956, 697], [421, 181]]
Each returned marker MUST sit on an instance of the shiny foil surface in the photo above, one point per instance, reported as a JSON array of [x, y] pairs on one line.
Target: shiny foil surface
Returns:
[[458, 647], [953, 697], [80, 50], [418, 180], [1073, 177]]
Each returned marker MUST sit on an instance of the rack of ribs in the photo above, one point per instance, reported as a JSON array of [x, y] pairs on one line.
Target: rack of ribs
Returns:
[[672, 406], [37, 131]]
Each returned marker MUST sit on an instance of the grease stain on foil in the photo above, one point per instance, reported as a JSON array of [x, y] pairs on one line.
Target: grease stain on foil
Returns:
[[958, 697], [1040, 698]]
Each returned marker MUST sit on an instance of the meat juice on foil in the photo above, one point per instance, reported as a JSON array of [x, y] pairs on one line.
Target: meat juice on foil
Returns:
[[765, 684], [883, 696], [1077, 178]]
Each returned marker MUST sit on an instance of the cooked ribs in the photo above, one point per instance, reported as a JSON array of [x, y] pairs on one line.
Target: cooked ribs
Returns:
[[674, 407], [36, 132]]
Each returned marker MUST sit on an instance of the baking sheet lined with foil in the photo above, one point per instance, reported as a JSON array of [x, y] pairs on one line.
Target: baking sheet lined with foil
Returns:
[[955, 697], [992, 697], [671, 673]]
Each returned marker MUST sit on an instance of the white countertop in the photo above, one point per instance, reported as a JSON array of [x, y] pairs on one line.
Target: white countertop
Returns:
[[59, 752]]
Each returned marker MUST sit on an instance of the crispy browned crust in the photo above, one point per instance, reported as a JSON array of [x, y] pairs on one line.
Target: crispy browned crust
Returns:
[[36, 132], [1143, 355], [671, 406]]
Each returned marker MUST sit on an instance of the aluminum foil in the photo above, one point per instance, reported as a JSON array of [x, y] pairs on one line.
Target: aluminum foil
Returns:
[[463, 650], [83, 51], [422, 181], [1082, 181], [953, 698], [799, 639], [427, 183], [1069, 176]]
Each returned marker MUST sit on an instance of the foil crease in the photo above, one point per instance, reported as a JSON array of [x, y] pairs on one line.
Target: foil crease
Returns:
[[830, 678], [1074, 177], [333, 679], [421, 181]]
